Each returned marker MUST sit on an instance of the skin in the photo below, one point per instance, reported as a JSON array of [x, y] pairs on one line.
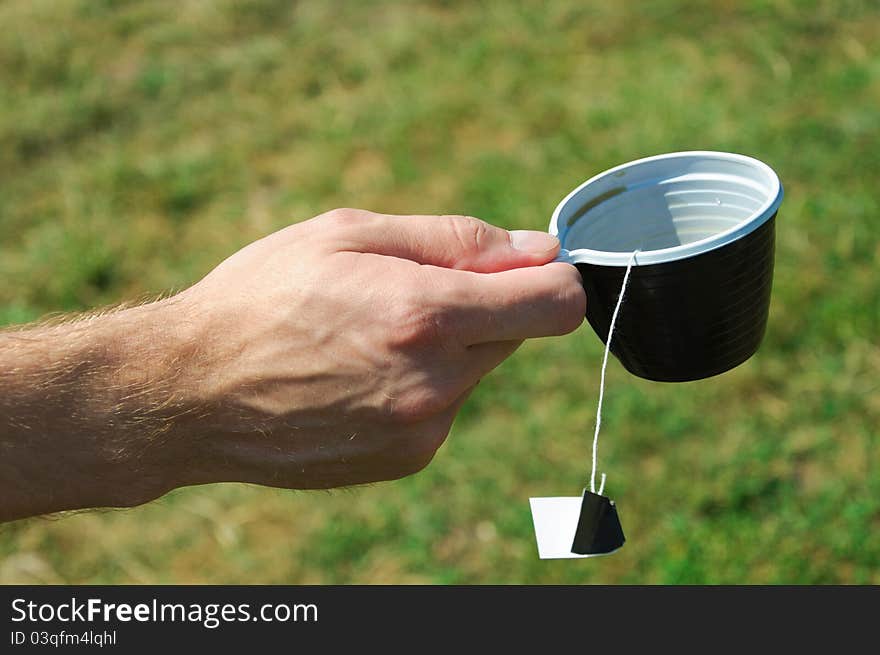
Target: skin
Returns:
[[333, 352]]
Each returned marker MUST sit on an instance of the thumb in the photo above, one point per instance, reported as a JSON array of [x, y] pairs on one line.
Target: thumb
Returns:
[[459, 242]]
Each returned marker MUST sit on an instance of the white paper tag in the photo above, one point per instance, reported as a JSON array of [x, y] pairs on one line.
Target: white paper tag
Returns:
[[556, 520]]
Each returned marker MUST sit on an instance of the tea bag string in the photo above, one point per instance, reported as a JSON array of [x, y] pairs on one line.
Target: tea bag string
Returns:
[[629, 266]]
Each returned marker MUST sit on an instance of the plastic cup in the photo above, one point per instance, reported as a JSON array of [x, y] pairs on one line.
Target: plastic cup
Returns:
[[698, 295]]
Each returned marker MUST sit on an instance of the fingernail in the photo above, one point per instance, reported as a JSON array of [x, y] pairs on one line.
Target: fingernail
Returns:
[[533, 241]]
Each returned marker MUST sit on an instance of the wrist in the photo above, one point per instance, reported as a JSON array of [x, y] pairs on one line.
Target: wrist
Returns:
[[152, 399]]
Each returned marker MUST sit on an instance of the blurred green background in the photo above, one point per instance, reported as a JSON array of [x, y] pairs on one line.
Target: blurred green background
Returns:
[[143, 142]]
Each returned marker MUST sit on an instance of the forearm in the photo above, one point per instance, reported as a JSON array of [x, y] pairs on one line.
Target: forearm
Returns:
[[89, 410]]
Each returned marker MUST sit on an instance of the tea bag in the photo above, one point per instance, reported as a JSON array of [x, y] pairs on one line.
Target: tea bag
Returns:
[[585, 525], [576, 526]]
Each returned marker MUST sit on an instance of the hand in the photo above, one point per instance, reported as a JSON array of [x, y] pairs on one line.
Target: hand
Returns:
[[341, 348]]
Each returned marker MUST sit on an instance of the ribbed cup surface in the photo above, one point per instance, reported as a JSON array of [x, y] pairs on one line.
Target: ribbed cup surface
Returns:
[[687, 319]]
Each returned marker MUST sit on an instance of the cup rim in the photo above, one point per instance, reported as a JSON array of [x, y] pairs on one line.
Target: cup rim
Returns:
[[664, 255]]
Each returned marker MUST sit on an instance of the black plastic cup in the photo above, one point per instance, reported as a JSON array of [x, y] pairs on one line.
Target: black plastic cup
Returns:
[[698, 295]]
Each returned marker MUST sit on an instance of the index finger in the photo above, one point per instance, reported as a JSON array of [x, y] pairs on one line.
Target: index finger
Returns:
[[522, 303]]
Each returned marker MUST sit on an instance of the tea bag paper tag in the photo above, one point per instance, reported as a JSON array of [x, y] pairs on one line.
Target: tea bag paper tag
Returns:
[[575, 527]]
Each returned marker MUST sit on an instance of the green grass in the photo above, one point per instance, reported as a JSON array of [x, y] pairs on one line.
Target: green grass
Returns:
[[142, 142]]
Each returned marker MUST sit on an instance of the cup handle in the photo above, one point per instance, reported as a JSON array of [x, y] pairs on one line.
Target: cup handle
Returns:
[[564, 256]]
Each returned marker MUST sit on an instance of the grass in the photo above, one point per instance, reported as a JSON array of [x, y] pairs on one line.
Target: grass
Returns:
[[142, 142]]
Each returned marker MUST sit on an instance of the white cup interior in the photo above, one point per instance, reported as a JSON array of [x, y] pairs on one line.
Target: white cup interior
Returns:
[[667, 207]]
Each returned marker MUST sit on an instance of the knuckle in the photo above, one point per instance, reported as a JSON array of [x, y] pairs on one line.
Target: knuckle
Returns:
[[435, 435], [344, 217], [422, 446], [416, 463], [409, 325], [414, 323], [471, 234], [419, 403]]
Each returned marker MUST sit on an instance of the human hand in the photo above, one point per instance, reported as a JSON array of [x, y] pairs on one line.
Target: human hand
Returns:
[[338, 350]]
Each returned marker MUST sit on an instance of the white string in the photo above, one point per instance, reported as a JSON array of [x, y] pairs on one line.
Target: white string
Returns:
[[629, 266]]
